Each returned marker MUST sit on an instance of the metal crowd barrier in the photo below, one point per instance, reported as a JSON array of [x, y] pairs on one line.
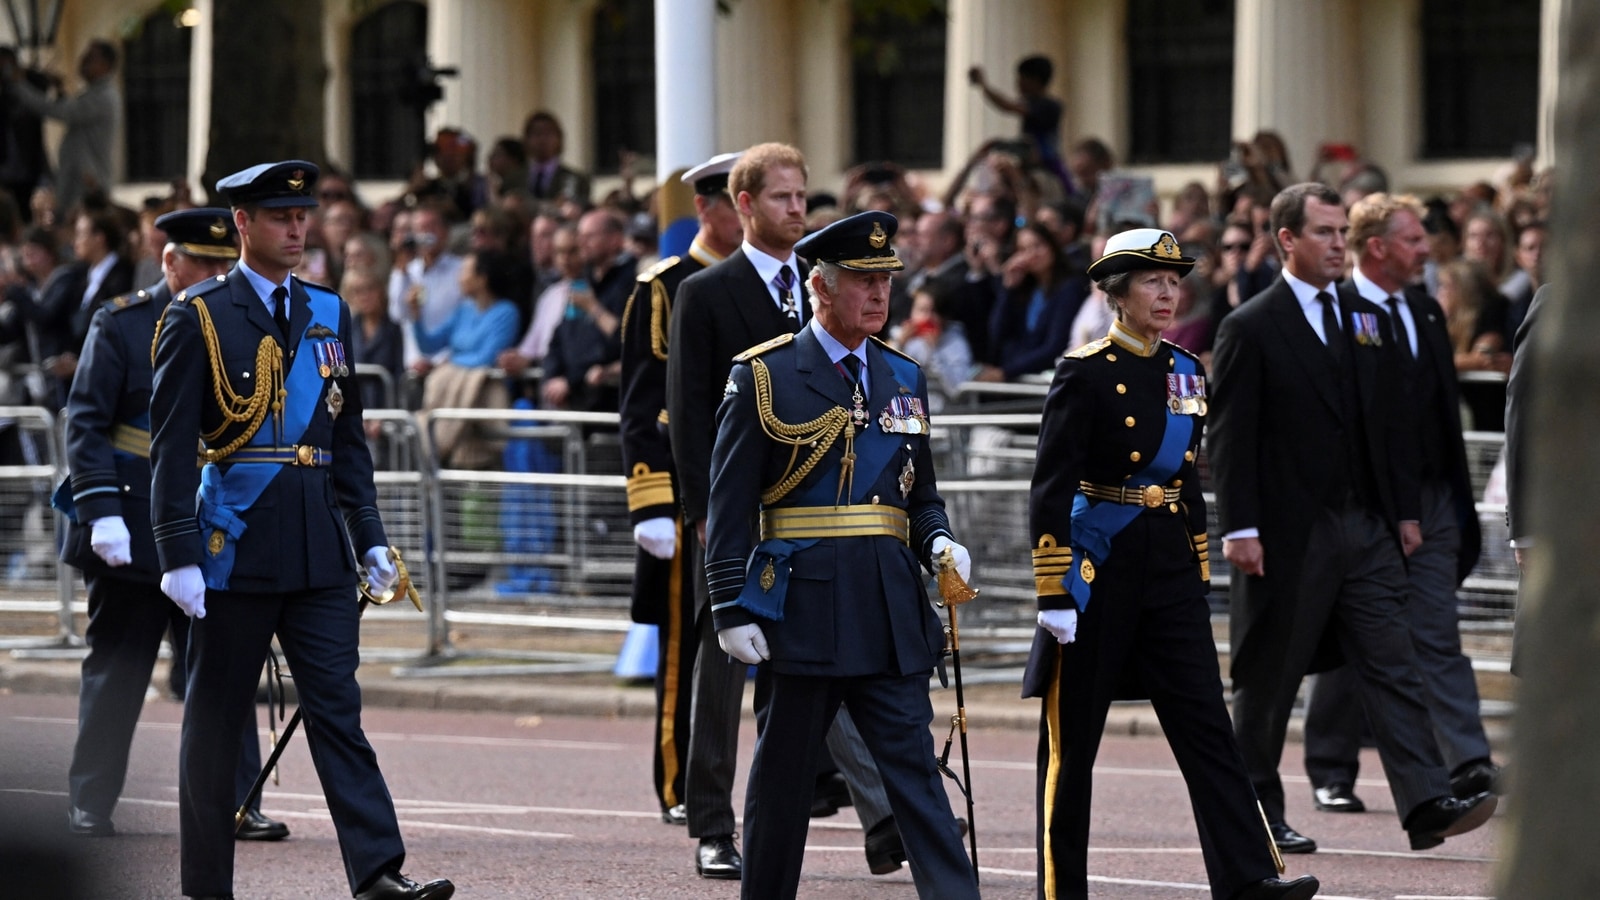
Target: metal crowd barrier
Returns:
[[38, 601]]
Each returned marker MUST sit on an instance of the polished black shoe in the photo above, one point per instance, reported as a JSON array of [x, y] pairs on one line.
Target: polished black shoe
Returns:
[[1338, 798], [1291, 841], [81, 821], [831, 795], [394, 886], [1475, 778], [257, 827], [1302, 888], [211, 897], [1429, 824], [677, 815], [885, 852], [717, 857]]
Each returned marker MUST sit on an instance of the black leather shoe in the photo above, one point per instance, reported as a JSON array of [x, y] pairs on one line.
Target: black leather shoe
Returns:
[[257, 827], [1338, 798], [81, 821], [212, 897], [677, 815], [885, 852], [1429, 824], [394, 886], [1475, 778], [831, 795], [1302, 888], [1291, 841], [717, 857]]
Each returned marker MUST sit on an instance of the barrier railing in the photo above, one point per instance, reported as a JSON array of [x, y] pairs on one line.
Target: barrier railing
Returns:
[[36, 584]]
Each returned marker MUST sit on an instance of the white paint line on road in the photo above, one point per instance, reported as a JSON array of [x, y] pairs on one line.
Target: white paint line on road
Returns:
[[1436, 897], [464, 740]]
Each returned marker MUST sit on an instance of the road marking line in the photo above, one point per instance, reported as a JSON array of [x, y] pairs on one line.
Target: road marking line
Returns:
[[539, 743]]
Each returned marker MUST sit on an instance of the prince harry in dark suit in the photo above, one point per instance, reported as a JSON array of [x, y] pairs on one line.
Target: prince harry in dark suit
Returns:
[[1316, 481]]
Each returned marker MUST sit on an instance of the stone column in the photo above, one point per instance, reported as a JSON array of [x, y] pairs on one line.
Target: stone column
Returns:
[[1293, 73], [494, 44]]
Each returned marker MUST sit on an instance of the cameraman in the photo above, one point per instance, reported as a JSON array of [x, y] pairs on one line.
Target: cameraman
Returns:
[[91, 116], [424, 286], [23, 163]]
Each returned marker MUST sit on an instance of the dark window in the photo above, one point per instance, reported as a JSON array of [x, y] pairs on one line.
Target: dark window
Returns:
[[624, 80], [1180, 80], [1480, 76], [386, 50], [898, 72], [155, 90]]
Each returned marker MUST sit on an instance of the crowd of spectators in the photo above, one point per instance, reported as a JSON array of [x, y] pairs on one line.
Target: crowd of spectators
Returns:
[[512, 267]]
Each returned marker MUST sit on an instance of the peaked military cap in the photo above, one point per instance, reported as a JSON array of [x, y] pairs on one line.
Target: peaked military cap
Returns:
[[287, 183], [205, 231], [859, 243], [1140, 248], [711, 177]]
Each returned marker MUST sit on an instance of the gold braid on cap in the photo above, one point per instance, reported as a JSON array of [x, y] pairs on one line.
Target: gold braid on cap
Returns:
[[252, 410], [820, 432]]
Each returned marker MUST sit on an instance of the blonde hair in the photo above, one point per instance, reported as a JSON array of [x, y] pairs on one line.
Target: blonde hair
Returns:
[[1372, 216]]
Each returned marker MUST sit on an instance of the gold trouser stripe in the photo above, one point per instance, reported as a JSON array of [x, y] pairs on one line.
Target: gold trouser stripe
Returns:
[[671, 673], [1052, 776], [650, 489], [859, 520], [133, 440]]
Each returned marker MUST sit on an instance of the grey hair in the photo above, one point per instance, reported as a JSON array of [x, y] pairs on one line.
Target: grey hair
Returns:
[[829, 272], [1115, 285]]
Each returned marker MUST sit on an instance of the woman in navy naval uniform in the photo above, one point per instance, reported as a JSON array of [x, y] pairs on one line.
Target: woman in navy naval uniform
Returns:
[[1121, 566]]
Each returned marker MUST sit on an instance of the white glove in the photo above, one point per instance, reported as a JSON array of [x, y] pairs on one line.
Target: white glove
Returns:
[[962, 557], [745, 643], [110, 540], [187, 588], [1061, 623], [657, 537], [381, 573]]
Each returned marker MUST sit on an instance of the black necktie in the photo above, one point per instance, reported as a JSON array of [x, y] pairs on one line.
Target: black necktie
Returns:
[[280, 312], [786, 294], [852, 364], [1332, 334], [1401, 332]]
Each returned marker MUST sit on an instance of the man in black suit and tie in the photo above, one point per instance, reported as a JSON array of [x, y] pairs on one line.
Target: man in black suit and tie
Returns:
[[65, 311], [752, 296], [1317, 492], [1390, 247]]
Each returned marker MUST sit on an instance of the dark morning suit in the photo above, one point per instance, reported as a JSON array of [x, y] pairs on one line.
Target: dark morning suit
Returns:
[[663, 589], [1519, 409], [128, 614], [856, 627], [1450, 545], [1323, 466], [63, 317], [1146, 629], [294, 575]]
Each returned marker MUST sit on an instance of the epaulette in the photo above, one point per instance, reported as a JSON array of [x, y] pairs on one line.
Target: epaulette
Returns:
[[201, 289], [1089, 349], [661, 266], [763, 347], [893, 349], [1178, 349], [129, 301]]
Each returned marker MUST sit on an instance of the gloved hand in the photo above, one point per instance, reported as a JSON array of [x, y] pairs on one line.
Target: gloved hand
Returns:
[[381, 573], [110, 541], [187, 588], [657, 537], [962, 557], [1061, 623], [745, 643]]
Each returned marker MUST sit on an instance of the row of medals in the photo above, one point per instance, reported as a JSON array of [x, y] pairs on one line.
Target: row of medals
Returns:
[[903, 415], [331, 364]]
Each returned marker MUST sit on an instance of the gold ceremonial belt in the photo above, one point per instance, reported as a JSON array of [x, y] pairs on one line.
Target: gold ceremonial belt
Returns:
[[298, 455], [133, 440], [1151, 496], [863, 520]]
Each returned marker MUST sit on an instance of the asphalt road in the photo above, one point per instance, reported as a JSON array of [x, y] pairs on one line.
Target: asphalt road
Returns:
[[531, 807]]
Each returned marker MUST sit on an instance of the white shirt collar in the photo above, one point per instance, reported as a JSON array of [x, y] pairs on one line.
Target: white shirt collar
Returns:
[[837, 351], [97, 277], [768, 266]]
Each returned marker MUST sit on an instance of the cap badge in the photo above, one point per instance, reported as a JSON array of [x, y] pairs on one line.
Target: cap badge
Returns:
[[1167, 248], [297, 180], [877, 238], [218, 229]]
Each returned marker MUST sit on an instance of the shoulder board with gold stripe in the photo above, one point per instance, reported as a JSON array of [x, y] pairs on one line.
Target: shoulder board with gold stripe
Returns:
[[650, 274], [763, 347], [196, 290], [890, 348], [129, 301], [1089, 349]]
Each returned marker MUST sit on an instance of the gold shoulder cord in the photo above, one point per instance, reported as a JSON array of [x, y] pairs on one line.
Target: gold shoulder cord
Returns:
[[820, 433], [269, 391], [660, 314]]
